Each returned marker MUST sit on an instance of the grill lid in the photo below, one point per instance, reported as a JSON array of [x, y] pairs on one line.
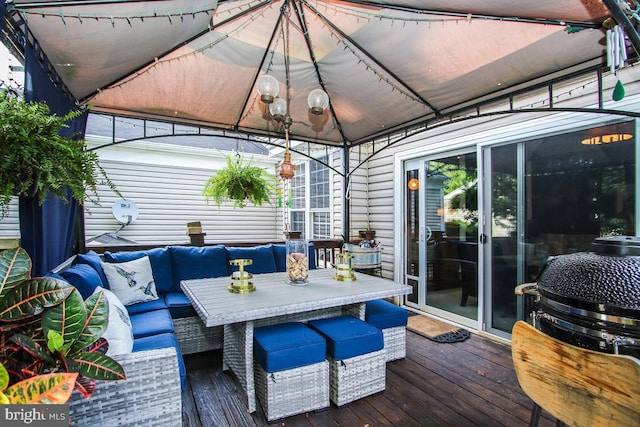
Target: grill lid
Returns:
[[599, 279]]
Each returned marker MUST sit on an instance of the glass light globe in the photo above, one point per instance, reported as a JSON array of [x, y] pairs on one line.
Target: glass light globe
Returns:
[[268, 88], [278, 109], [318, 101]]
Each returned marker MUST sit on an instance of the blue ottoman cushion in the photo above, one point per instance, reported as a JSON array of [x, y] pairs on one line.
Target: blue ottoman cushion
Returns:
[[287, 346], [151, 323], [84, 277], [143, 307], [179, 305], [348, 336], [262, 256], [383, 314], [160, 260], [166, 340], [197, 263]]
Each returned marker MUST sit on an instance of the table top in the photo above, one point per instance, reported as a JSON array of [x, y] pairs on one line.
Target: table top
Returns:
[[274, 297]]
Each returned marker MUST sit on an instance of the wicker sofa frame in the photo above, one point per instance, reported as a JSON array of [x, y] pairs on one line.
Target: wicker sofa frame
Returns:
[[150, 395]]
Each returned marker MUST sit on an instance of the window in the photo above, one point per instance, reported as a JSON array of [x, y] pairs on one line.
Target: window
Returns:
[[310, 200]]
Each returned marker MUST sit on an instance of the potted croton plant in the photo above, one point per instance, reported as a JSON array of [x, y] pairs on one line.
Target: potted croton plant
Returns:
[[36, 160], [50, 339]]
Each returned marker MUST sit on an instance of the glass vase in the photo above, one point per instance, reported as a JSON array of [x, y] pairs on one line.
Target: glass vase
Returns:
[[297, 262]]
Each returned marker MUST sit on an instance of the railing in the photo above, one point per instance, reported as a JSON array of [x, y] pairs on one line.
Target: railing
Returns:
[[325, 249]]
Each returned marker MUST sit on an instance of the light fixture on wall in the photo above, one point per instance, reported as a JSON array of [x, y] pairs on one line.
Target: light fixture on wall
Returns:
[[268, 87], [413, 184]]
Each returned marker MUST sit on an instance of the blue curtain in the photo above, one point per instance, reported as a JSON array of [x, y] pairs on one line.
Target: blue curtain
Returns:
[[48, 231]]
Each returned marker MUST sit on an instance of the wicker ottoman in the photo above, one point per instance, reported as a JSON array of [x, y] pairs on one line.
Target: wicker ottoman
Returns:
[[356, 356], [392, 321], [290, 369]]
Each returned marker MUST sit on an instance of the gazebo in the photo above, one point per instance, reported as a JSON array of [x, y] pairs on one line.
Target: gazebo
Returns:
[[390, 69]]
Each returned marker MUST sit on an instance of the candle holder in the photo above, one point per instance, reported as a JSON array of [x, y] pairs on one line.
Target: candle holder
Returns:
[[344, 272], [240, 280]]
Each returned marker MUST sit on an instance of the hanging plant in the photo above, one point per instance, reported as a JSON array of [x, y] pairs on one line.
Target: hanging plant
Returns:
[[35, 160], [240, 183]]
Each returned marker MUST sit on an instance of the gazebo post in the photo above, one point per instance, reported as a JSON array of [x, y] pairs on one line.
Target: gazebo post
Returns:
[[346, 208]]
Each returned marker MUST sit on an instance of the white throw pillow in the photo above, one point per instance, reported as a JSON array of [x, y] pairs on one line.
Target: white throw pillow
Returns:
[[131, 281], [119, 332]]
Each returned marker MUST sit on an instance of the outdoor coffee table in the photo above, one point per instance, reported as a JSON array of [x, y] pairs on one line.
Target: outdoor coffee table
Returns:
[[274, 301]]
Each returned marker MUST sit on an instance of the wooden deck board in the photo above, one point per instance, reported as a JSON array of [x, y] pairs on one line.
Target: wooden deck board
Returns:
[[471, 383]]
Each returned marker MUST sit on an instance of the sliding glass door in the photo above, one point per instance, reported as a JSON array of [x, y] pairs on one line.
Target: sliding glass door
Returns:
[[441, 235]]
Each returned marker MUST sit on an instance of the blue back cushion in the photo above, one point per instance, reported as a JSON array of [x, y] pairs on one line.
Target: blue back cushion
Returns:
[[93, 259], [280, 255], [160, 259], [84, 277], [262, 256], [197, 263], [312, 256]]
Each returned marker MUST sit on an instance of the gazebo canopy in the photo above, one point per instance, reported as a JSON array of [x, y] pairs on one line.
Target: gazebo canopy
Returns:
[[386, 65]]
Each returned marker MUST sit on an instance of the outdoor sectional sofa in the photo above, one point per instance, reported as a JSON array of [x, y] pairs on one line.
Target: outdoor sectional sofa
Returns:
[[163, 328]]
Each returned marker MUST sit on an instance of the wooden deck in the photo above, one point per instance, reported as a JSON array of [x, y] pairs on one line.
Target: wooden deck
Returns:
[[471, 383]]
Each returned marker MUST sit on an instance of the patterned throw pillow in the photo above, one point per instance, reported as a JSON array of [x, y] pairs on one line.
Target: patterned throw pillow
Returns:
[[131, 281], [119, 331]]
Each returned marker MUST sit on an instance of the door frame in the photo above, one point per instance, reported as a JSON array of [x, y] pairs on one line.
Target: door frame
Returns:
[[421, 156]]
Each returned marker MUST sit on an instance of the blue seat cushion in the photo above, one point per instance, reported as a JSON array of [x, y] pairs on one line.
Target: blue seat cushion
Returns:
[[179, 305], [93, 259], [383, 314], [280, 255], [348, 337], [143, 307], [166, 340], [262, 257], [84, 278], [197, 263], [287, 346], [151, 323], [160, 260]]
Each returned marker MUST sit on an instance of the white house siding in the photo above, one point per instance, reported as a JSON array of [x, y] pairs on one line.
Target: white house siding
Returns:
[[166, 183], [10, 224]]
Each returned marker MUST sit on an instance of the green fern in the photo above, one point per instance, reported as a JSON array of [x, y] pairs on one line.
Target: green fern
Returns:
[[240, 183], [35, 160]]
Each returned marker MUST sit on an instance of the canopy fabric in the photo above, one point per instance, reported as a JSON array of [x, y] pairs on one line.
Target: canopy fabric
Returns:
[[385, 65]]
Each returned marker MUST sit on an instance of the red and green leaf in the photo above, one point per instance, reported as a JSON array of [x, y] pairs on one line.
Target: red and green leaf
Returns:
[[67, 319], [99, 366], [47, 389], [32, 296], [97, 319], [31, 347], [15, 268]]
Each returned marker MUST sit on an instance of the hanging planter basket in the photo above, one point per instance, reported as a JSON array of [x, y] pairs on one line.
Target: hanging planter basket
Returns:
[[240, 183]]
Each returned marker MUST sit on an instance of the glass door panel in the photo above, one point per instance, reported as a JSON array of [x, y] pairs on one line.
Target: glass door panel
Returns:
[[441, 235]]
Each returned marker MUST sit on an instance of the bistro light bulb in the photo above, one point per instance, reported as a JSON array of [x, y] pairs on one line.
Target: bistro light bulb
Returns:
[[268, 88], [413, 184], [278, 109], [318, 101]]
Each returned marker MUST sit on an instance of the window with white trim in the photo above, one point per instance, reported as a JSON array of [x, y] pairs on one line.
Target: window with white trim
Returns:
[[310, 200]]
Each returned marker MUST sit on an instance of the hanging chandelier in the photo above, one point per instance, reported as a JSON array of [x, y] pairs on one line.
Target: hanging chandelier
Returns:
[[268, 87]]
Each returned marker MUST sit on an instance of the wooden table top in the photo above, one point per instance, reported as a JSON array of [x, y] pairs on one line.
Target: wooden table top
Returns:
[[274, 297]]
